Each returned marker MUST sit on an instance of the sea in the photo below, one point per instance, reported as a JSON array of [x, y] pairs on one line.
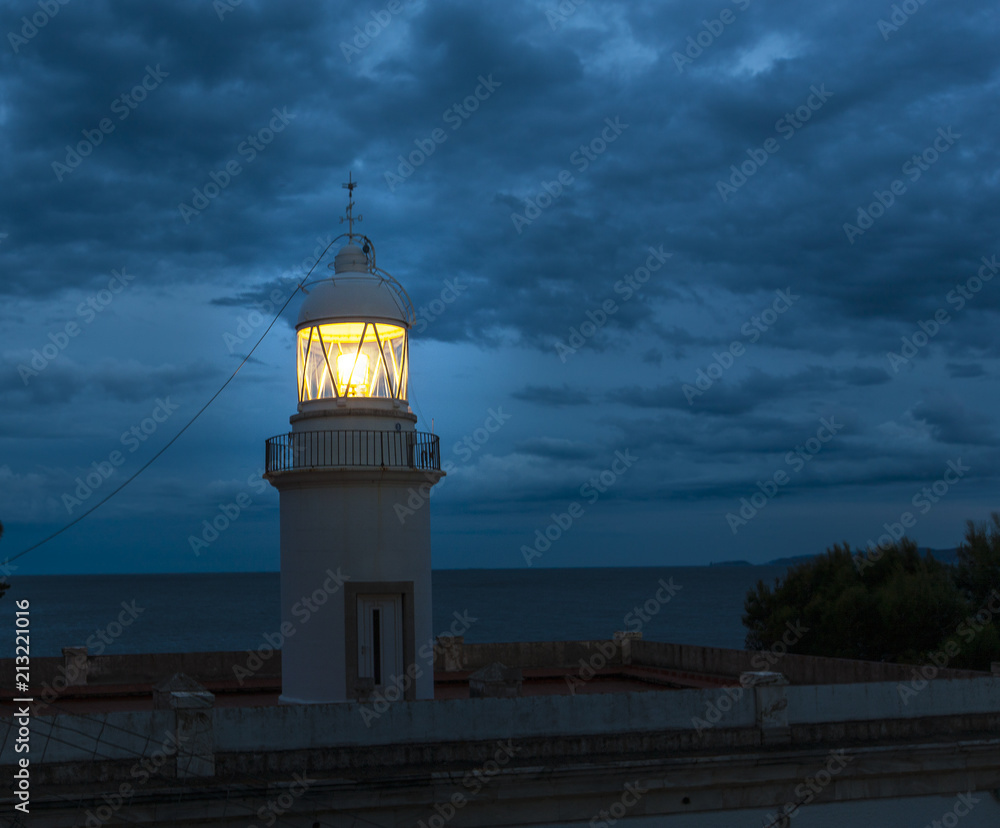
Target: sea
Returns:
[[234, 611]]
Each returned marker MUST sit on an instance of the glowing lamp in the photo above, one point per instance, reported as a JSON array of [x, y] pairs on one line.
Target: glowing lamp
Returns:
[[352, 373]]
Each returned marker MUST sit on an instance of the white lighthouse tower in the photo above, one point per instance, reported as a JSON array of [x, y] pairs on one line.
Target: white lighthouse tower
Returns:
[[355, 569]]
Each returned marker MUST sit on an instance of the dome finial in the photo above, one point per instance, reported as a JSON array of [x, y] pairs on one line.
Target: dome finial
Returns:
[[350, 218]]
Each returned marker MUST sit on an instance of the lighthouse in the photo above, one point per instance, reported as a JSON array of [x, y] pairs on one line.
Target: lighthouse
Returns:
[[355, 558]]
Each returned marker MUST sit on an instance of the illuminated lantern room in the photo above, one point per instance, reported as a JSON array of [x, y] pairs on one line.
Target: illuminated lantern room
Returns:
[[352, 334]]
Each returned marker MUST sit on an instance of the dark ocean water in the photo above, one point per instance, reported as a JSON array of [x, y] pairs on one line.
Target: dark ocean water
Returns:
[[232, 611]]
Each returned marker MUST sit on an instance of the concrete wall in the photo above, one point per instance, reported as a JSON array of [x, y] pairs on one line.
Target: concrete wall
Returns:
[[100, 736], [461, 720], [142, 668], [798, 669], [892, 700], [529, 654], [207, 666], [716, 661], [289, 728]]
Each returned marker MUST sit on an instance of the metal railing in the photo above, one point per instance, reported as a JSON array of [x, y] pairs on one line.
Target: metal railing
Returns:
[[334, 449]]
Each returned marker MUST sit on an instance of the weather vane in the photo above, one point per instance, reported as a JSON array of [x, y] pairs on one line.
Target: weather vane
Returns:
[[350, 218]]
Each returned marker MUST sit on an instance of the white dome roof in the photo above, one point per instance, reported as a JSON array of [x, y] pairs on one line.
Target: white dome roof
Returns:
[[354, 294]]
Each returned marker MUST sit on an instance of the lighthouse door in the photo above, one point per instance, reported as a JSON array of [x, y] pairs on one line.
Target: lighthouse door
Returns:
[[380, 638]]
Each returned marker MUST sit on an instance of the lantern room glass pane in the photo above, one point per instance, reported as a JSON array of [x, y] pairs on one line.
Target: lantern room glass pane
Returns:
[[352, 359]]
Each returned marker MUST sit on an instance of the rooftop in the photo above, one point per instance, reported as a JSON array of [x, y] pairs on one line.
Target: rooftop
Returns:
[[78, 683]]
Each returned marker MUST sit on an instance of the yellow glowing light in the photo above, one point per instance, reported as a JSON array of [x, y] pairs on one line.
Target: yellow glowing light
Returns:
[[344, 332], [352, 359], [352, 373]]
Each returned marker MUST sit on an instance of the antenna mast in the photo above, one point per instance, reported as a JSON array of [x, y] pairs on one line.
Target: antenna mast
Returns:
[[350, 218]]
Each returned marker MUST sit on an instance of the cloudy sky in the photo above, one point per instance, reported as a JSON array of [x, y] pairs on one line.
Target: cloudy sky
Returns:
[[747, 246]]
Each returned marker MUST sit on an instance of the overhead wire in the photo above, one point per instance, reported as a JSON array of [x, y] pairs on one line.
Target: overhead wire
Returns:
[[187, 425]]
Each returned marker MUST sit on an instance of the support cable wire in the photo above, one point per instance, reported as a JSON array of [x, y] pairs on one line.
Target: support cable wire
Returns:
[[190, 422]]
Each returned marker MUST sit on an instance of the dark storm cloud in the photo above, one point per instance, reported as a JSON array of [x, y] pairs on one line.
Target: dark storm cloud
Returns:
[[724, 398], [121, 200], [64, 380], [550, 396], [676, 451], [552, 100], [728, 445], [555, 448], [965, 371], [951, 422], [590, 133]]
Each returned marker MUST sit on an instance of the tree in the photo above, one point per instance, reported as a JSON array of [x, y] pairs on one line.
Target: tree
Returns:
[[899, 607], [978, 572]]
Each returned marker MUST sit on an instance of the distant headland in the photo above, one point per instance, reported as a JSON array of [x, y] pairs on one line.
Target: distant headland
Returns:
[[946, 556]]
